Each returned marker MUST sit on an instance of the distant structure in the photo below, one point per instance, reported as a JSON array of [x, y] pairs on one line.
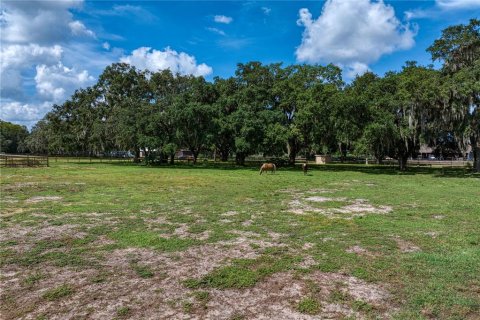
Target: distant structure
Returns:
[[323, 159]]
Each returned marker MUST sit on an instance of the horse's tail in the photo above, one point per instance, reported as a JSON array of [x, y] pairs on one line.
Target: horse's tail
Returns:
[[261, 170], [274, 168]]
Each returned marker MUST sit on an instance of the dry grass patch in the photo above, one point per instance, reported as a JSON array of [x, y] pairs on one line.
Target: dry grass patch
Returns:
[[38, 199], [406, 246], [278, 297], [360, 251], [347, 208]]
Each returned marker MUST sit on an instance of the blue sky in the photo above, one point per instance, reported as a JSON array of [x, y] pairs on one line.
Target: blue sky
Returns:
[[51, 48]]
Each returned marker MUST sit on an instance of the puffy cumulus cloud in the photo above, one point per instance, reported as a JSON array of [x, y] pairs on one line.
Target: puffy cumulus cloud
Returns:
[[458, 4], [25, 113], [41, 22], [38, 41], [222, 19], [178, 62], [57, 82], [18, 59], [352, 34], [13, 56]]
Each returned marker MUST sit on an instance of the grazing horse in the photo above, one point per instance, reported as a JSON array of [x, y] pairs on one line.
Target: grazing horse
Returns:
[[305, 168], [268, 167]]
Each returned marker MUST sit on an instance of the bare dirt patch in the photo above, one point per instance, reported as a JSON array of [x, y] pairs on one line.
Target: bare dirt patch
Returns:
[[406, 246], [324, 199], [229, 213], [278, 295], [19, 186], [181, 231], [308, 246], [247, 223], [99, 293], [26, 237], [360, 251], [8, 199], [38, 199], [352, 207], [432, 234], [307, 262], [361, 207]]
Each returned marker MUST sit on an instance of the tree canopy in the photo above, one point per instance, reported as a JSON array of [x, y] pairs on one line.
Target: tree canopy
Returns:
[[275, 110]]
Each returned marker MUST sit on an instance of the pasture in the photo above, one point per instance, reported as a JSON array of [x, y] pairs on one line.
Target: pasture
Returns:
[[104, 241]]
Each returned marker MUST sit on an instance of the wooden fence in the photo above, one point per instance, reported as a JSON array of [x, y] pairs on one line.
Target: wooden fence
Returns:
[[16, 160]]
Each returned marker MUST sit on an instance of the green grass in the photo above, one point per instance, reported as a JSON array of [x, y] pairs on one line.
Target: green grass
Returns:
[[33, 279], [143, 271], [308, 306], [123, 206], [123, 312], [58, 292], [244, 273]]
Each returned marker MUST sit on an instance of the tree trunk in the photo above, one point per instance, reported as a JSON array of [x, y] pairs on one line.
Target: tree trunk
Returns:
[[195, 156], [476, 158], [292, 156], [172, 158], [224, 154], [292, 152], [137, 155], [343, 152], [240, 158], [402, 162]]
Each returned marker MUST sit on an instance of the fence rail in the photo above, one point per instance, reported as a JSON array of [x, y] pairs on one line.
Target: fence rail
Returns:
[[16, 160]]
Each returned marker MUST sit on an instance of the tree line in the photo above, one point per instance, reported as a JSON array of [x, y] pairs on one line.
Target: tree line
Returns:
[[275, 110]]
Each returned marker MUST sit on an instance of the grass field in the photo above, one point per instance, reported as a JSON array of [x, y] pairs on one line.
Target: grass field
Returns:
[[121, 241]]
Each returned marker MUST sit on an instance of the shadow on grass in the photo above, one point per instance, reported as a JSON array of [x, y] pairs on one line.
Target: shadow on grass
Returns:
[[438, 172]]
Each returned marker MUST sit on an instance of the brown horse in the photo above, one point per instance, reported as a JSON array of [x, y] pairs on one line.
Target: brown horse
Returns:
[[268, 167], [305, 168]]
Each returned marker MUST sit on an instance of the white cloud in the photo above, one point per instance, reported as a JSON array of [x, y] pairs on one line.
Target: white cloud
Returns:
[[106, 45], [217, 31], [223, 19], [352, 34], [13, 56], [24, 113], [136, 12], [266, 10], [42, 22], [458, 4], [418, 14], [18, 59], [39, 40], [57, 82], [178, 62], [356, 69], [79, 29], [442, 8]]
